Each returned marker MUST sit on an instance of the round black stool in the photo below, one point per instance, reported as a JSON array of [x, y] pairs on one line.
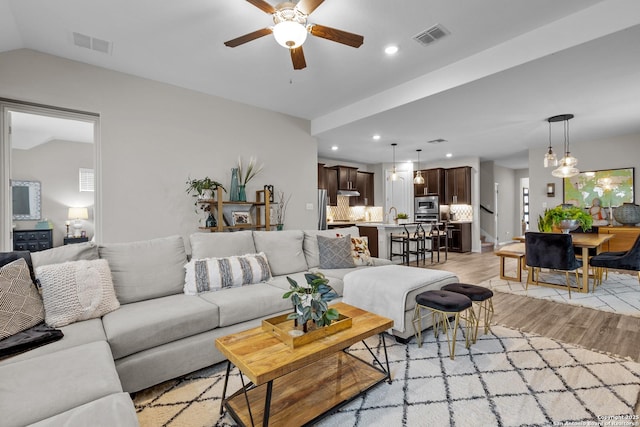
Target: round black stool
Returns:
[[442, 305], [481, 297]]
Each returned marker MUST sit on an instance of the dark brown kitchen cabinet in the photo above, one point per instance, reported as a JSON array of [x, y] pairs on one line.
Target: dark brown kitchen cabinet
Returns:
[[322, 177], [347, 177], [460, 237], [458, 186], [364, 184], [331, 180], [433, 183]]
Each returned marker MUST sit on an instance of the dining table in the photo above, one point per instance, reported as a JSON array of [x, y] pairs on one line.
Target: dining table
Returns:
[[585, 241]]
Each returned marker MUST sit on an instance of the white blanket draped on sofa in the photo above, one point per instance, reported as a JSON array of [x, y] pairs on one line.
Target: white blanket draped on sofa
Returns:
[[383, 290]]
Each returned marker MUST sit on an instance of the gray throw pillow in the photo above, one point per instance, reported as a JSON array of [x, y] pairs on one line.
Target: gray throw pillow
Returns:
[[20, 303], [335, 252]]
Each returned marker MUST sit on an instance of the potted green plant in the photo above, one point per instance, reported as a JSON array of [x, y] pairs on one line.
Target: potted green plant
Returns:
[[402, 218], [565, 218], [281, 209], [203, 188], [310, 303]]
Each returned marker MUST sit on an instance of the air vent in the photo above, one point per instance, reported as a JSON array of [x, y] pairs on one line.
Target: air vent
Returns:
[[431, 35], [93, 43], [437, 141]]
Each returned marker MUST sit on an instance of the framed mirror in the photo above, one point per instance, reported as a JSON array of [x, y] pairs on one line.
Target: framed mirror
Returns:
[[25, 196]]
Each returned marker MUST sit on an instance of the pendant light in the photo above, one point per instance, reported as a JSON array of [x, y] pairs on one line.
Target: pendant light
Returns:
[[419, 179], [567, 167], [394, 175], [550, 159]]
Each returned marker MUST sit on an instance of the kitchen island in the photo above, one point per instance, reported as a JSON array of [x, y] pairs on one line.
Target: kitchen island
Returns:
[[379, 234]]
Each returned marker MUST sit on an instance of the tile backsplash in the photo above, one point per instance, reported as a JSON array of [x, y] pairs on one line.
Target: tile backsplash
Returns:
[[462, 212], [344, 212]]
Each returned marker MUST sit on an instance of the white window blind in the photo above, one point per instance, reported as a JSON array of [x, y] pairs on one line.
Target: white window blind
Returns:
[[87, 182]]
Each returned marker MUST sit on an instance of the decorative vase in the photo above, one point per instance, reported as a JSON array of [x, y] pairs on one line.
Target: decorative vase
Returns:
[[279, 227], [567, 225], [242, 195], [627, 214], [233, 188]]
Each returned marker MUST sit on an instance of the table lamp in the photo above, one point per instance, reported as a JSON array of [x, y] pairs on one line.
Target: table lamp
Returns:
[[77, 215]]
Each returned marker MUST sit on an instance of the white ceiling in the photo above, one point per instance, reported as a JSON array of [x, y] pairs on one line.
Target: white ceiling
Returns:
[[487, 88], [30, 130]]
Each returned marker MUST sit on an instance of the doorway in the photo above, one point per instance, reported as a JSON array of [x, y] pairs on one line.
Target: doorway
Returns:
[[58, 149]]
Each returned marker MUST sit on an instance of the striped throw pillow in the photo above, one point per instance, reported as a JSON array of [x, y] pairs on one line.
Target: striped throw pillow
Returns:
[[214, 274]]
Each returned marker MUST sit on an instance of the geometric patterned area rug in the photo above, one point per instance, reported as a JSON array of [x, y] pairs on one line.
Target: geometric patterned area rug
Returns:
[[507, 378], [620, 293]]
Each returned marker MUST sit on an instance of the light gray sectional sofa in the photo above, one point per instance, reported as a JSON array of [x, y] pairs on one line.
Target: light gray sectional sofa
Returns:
[[158, 333]]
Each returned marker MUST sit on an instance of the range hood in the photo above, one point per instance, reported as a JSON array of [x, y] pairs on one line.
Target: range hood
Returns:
[[348, 193]]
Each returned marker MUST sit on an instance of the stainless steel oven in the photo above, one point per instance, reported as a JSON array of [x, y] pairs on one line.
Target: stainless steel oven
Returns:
[[427, 204]]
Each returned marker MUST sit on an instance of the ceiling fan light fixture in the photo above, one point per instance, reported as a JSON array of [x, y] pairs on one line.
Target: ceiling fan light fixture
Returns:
[[290, 34]]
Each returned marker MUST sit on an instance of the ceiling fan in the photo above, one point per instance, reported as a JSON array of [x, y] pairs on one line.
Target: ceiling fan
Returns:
[[291, 28]]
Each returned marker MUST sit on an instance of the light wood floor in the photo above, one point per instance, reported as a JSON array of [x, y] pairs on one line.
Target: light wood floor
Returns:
[[589, 328]]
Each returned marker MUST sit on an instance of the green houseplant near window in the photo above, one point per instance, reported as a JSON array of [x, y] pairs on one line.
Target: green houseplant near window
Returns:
[[553, 217]]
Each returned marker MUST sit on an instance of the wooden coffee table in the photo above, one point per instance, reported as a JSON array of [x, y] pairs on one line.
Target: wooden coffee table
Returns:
[[295, 386]]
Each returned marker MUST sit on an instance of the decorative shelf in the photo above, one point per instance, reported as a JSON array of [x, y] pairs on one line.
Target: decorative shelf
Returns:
[[259, 212]]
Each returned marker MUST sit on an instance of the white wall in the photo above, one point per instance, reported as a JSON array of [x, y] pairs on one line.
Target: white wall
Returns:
[[55, 164], [619, 152], [487, 199], [507, 204], [154, 135]]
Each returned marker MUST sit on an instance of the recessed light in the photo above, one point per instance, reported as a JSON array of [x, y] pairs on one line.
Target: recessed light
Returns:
[[449, 155], [391, 50], [376, 137], [334, 147]]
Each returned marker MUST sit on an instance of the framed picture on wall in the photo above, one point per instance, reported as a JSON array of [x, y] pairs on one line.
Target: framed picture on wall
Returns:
[[612, 186], [241, 218]]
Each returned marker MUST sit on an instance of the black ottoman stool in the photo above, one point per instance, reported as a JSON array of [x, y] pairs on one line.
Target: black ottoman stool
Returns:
[[442, 305], [481, 297]]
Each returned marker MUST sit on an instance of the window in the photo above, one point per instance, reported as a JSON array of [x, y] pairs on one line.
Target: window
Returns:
[[87, 182]]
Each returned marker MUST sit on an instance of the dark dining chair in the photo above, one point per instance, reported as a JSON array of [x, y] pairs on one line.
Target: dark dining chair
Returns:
[[553, 251], [629, 260]]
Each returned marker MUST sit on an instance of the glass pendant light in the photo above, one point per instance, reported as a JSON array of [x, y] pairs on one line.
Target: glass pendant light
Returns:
[[419, 179], [394, 175], [568, 163], [550, 159]]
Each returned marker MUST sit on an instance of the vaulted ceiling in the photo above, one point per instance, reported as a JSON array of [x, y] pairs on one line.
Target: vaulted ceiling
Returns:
[[486, 88]]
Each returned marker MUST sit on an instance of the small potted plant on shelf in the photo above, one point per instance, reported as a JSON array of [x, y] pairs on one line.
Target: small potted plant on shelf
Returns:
[[565, 218], [402, 218], [281, 209], [203, 188], [310, 309], [246, 175]]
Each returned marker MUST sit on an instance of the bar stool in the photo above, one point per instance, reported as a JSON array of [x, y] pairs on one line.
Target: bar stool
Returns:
[[403, 239], [439, 241], [442, 305], [481, 297], [419, 238]]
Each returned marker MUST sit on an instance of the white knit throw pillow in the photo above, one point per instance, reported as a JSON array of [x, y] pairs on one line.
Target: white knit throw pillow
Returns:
[[77, 290]]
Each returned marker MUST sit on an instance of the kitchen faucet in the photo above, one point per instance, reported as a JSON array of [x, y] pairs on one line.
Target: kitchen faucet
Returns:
[[395, 218]]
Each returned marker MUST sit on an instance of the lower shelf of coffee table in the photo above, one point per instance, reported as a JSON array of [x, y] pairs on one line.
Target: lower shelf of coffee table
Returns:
[[308, 393]]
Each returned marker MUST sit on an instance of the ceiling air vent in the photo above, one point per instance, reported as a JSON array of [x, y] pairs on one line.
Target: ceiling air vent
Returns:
[[436, 141], [431, 35], [93, 43]]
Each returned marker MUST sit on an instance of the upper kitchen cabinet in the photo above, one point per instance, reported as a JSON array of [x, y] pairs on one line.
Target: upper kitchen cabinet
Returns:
[[433, 183], [322, 177], [331, 181], [347, 177], [364, 184], [458, 186]]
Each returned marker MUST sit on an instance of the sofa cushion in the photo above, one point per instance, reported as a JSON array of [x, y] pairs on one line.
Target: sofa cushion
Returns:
[[75, 334], [20, 303], [310, 246], [237, 305], [210, 245], [214, 274], [283, 249], [146, 269], [57, 255], [112, 410], [35, 389], [77, 290], [335, 252], [146, 324]]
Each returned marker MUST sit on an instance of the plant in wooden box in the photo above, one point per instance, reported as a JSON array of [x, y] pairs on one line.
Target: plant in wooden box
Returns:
[[310, 303], [565, 218]]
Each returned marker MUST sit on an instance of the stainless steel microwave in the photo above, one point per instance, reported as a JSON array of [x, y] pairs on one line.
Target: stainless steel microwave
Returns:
[[427, 204]]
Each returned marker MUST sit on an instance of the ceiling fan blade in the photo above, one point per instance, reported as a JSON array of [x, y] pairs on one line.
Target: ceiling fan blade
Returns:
[[339, 36], [263, 5], [308, 6], [297, 57], [248, 37]]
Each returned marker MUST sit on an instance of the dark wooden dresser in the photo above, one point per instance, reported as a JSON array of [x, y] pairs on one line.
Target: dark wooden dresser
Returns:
[[32, 240]]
